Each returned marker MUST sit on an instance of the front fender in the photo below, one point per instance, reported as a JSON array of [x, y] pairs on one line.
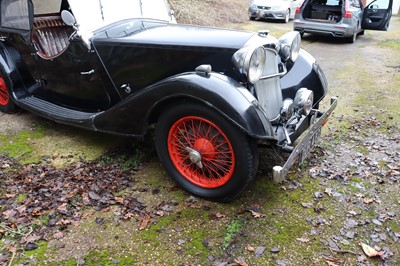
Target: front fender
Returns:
[[221, 93], [305, 72]]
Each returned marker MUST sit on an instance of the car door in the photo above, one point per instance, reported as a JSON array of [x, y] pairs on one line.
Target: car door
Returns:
[[377, 14]]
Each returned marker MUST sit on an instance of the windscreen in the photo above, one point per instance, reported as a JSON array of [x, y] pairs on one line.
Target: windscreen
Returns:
[[93, 14], [47, 6]]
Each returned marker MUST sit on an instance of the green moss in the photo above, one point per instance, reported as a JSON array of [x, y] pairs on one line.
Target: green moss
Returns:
[[20, 145], [196, 246], [20, 198], [151, 234], [99, 257], [36, 254]]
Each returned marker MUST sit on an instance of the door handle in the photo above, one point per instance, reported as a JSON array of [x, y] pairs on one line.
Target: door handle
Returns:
[[90, 72]]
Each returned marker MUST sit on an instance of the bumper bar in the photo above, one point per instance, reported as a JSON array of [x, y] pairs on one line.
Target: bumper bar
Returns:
[[305, 144]]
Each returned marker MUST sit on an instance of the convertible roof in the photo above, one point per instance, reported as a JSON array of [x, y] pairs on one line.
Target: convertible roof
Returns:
[[17, 16]]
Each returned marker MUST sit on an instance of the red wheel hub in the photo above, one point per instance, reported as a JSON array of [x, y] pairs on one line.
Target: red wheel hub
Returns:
[[205, 147], [201, 152], [4, 95]]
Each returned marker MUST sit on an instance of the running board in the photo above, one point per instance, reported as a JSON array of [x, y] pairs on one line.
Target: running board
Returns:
[[57, 112]]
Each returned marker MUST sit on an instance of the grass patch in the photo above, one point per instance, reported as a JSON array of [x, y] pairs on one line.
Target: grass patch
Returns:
[[19, 146], [232, 229]]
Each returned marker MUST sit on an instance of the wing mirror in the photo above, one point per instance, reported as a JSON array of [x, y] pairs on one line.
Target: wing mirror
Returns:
[[69, 19]]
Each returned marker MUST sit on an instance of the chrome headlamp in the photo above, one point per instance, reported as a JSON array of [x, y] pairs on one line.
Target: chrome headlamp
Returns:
[[289, 45], [250, 62], [303, 101], [287, 109]]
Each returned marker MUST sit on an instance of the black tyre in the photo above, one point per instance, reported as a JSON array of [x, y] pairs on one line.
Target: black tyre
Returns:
[[287, 16], [204, 153], [252, 18], [6, 103], [352, 39]]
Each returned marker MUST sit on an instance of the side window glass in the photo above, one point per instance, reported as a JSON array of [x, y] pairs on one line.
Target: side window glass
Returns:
[[355, 3], [379, 4], [15, 15]]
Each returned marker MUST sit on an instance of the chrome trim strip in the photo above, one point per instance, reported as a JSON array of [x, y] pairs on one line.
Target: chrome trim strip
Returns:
[[274, 75]]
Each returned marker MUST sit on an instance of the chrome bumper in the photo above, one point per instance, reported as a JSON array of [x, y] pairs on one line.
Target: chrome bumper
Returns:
[[305, 144]]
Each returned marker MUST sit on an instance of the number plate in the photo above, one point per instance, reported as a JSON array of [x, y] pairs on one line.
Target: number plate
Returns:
[[305, 144], [308, 146]]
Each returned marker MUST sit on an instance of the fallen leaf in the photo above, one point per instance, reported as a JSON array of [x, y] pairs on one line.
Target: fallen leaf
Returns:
[[331, 263], [370, 251], [63, 208], [12, 249], [303, 239], [240, 261], [368, 200], [250, 248], [144, 222], [353, 213], [329, 192], [58, 235], [359, 195], [9, 214], [259, 251], [307, 204], [257, 214], [216, 215], [31, 239], [119, 200], [160, 213]]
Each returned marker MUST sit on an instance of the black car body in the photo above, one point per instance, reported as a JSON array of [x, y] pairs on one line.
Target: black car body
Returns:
[[213, 94]]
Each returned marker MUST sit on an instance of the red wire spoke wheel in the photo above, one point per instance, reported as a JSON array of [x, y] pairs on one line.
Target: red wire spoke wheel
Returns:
[[4, 95], [201, 152], [6, 104]]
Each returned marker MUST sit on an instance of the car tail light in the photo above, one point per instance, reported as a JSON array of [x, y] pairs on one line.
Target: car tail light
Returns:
[[298, 9], [347, 13]]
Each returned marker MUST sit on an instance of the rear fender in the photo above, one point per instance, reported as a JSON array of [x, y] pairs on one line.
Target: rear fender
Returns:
[[221, 93]]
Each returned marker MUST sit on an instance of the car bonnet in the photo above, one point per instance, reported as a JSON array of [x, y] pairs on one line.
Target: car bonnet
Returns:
[[178, 35]]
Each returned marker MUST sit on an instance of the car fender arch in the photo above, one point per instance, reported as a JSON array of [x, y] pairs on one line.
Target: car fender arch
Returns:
[[11, 64], [218, 92], [7, 66]]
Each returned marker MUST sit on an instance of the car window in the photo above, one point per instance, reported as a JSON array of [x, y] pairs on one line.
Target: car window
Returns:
[[15, 15], [332, 2], [355, 3], [379, 4], [46, 6]]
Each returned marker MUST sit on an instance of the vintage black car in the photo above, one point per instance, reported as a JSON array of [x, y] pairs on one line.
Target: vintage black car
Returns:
[[120, 67]]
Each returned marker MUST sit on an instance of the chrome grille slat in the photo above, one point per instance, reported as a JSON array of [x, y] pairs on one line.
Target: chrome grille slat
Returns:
[[268, 90]]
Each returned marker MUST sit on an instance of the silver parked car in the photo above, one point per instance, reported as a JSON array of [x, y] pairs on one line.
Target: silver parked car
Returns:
[[282, 10], [342, 18]]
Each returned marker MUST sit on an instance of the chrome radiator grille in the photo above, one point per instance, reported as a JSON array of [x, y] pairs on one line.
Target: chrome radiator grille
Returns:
[[268, 90]]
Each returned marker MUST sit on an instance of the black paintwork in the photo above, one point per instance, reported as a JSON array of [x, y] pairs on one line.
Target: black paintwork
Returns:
[[156, 61]]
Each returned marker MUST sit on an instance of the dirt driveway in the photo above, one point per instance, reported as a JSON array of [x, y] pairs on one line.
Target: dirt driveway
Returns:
[[346, 195]]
